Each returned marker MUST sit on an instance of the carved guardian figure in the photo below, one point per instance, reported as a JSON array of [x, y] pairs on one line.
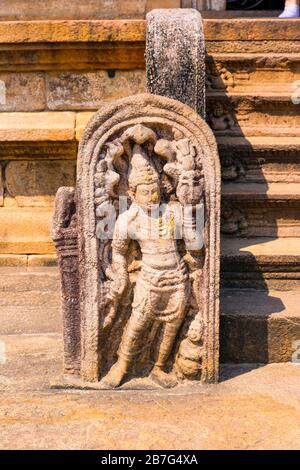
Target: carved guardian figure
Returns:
[[146, 267]]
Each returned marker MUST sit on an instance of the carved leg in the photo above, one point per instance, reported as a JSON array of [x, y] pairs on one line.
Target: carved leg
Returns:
[[166, 380], [136, 332]]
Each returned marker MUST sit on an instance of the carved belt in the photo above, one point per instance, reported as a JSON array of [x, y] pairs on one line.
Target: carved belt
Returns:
[[165, 278]]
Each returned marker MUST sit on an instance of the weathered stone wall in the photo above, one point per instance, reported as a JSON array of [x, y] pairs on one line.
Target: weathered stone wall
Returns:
[[54, 75]]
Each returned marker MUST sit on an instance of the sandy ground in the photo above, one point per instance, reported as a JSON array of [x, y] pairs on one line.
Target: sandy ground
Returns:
[[252, 408]]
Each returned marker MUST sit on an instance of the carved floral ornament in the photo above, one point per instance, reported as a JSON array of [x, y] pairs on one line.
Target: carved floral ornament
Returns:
[[147, 205]]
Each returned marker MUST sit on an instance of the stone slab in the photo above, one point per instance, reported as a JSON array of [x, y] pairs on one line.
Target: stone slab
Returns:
[[25, 127], [259, 408], [25, 230], [89, 90], [121, 45], [38, 150], [260, 326], [81, 121], [35, 183], [261, 262], [13, 260], [132, 30], [61, 31], [272, 191], [264, 248], [22, 92], [14, 280]]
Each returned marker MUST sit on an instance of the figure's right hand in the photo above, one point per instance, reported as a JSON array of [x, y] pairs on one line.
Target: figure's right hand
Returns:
[[117, 287], [110, 315]]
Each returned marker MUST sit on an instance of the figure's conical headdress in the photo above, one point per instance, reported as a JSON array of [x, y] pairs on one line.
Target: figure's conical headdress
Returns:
[[141, 169]]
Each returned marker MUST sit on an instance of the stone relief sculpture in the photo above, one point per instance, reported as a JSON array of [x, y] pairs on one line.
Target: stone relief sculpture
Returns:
[[147, 215]]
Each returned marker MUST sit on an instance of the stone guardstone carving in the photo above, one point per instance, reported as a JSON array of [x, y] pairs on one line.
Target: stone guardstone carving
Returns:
[[138, 248]]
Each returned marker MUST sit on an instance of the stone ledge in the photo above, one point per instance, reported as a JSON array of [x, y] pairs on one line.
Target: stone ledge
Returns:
[[264, 249], [25, 231], [262, 262], [52, 126], [259, 251], [251, 29], [260, 191], [259, 326], [62, 31], [27, 261], [258, 142], [257, 95], [134, 30], [53, 45]]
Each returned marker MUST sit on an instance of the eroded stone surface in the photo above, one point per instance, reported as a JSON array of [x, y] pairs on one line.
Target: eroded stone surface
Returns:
[[175, 56], [89, 90], [22, 92], [36, 183], [259, 408]]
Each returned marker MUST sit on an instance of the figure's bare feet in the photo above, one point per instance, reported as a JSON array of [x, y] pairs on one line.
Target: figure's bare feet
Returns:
[[164, 379], [115, 376]]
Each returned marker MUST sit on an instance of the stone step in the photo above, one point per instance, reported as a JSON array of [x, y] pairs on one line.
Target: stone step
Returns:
[[270, 192], [261, 210], [265, 262], [120, 44], [260, 326], [268, 115], [265, 77], [257, 326], [260, 159], [29, 301], [131, 30], [248, 209]]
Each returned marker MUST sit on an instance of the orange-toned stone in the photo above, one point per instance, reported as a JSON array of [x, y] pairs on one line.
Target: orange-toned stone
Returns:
[[30, 32], [81, 121], [41, 261], [24, 231], [134, 30], [251, 29], [37, 126], [13, 260]]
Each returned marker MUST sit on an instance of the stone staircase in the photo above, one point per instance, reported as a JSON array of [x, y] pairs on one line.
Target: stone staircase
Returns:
[[55, 74]]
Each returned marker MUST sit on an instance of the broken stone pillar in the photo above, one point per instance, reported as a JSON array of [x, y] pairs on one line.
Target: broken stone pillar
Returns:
[[175, 56], [138, 248]]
